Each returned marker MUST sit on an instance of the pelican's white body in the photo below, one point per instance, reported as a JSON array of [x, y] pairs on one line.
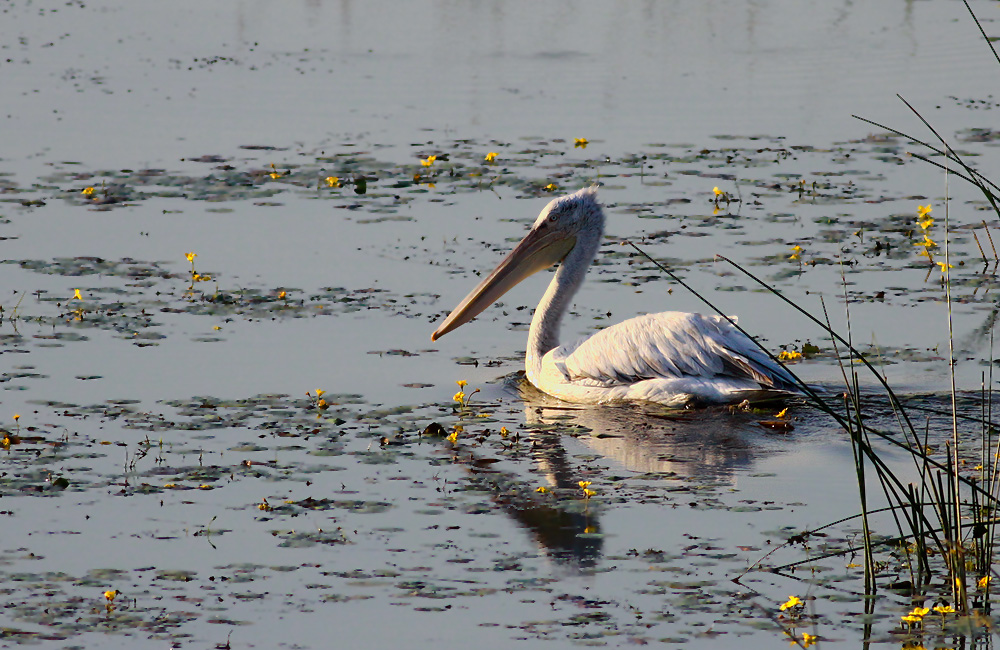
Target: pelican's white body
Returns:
[[670, 358]]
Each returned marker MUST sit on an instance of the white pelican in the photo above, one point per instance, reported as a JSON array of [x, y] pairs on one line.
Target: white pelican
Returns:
[[671, 358]]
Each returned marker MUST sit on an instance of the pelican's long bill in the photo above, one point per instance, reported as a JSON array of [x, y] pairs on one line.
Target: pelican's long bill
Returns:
[[541, 248]]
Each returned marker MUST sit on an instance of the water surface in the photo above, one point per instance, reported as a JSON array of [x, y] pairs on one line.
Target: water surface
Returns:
[[170, 442]]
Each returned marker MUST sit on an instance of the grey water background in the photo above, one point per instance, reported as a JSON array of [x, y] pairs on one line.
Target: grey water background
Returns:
[[103, 86]]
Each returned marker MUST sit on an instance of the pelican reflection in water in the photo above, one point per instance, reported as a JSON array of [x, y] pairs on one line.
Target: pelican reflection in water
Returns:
[[670, 358]]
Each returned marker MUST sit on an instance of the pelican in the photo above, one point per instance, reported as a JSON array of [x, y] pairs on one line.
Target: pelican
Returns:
[[670, 358]]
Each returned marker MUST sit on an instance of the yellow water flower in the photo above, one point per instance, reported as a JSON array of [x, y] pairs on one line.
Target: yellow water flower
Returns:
[[581, 142], [264, 505], [983, 582], [453, 438], [793, 601], [584, 484], [427, 162], [551, 187], [926, 223], [332, 181], [717, 191], [808, 639], [76, 295], [917, 615], [924, 210], [190, 257], [796, 251], [281, 295], [944, 609], [789, 355], [87, 191], [503, 432], [462, 383], [274, 172], [927, 242], [319, 392], [459, 397], [782, 413], [491, 156], [944, 266], [17, 417], [588, 493], [542, 489], [111, 594]]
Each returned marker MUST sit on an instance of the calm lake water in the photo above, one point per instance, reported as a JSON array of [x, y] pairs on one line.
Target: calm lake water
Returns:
[[169, 441]]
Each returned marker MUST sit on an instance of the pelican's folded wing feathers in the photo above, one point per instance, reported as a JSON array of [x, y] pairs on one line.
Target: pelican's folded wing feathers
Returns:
[[668, 344]]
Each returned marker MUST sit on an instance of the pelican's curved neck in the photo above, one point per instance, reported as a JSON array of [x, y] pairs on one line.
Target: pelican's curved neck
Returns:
[[543, 335]]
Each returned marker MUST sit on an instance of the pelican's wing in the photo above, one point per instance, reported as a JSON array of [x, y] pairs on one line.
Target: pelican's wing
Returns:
[[668, 344]]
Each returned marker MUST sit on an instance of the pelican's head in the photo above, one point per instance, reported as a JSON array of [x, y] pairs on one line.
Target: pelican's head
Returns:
[[573, 213], [561, 225]]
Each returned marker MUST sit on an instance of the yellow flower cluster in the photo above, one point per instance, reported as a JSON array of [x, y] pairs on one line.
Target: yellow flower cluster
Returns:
[[923, 212], [793, 601], [925, 221], [460, 396], [195, 276], [917, 615], [789, 355]]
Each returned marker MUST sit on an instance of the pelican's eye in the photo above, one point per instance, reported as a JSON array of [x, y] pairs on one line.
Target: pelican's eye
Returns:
[[553, 216]]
